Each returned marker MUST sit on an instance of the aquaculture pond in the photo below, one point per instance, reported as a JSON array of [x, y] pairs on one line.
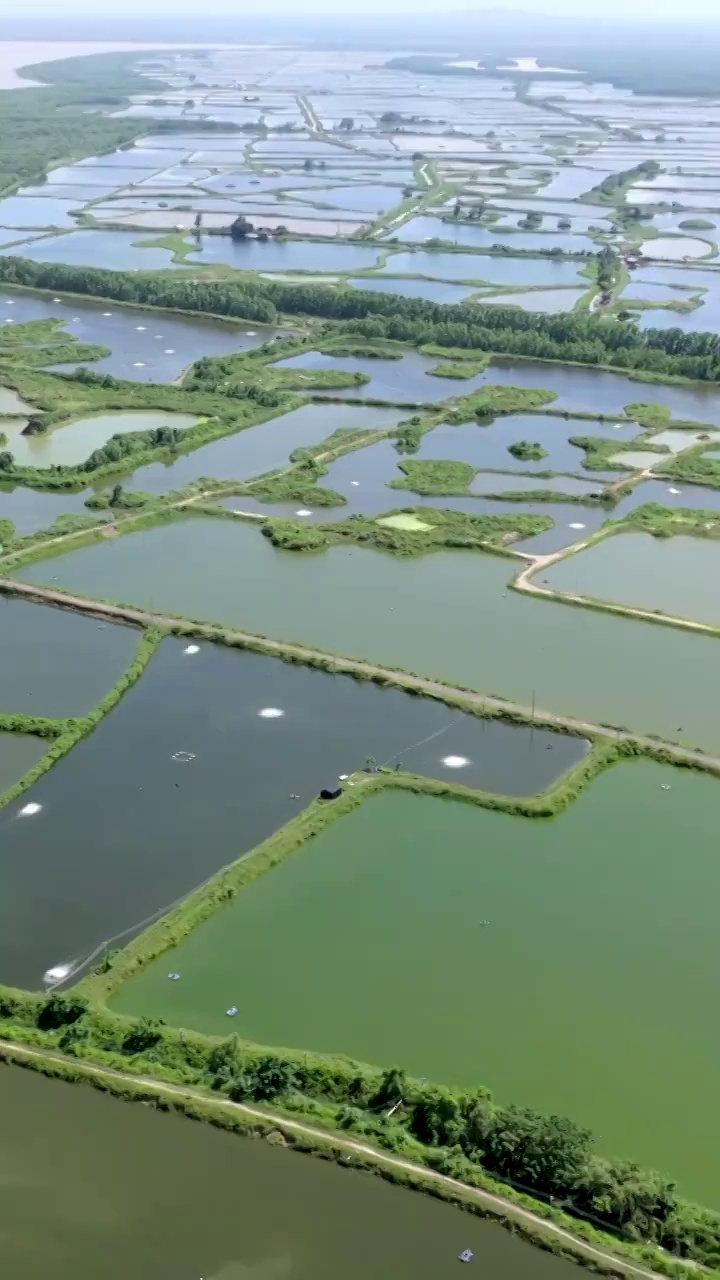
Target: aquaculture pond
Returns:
[[480, 237], [11, 403], [265, 447], [526, 926], [18, 753], [146, 346], [347, 600], [433, 290], [407, 380], [284, 255], [161, 777], [57, 663], [595, 391], [666, 575], [548, 300], [488, 446], [32, 509], [499, 269], [116, 249], [183, 1199], [73, 442]]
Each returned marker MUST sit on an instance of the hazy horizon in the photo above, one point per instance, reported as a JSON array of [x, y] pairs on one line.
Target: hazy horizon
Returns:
[[599, 11]]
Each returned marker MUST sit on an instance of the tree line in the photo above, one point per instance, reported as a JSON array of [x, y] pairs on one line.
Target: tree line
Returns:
[[568, 336], [464, 1132]]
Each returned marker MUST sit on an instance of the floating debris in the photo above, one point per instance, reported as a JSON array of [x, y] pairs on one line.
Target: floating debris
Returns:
[[664, 786], [29, 810], [174, 977], [455, 762], [231, 1011], [355, 483], [467, 1255], [183, 757], [270, 713], [192, 648], [343, 776]]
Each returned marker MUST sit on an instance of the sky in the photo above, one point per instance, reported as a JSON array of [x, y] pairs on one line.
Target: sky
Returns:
[[651, 11]]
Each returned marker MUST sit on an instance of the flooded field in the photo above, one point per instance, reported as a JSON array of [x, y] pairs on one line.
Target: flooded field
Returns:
[[664, 575], [511, 898], [346, 601], [180, 1199], [171, 821], [57, 663]]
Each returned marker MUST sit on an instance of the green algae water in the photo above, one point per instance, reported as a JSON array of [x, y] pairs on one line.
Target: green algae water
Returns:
[[95, 1187], [449, 614], [571, 965], [674, 576]]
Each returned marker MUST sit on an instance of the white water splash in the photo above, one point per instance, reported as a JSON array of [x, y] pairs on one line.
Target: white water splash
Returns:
[[29, 810], [455, 762], [192, 648], [58, 973], [271, 713]]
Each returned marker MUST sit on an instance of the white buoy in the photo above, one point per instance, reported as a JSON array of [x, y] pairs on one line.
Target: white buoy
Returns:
[[139, 364], [57, 300], [303, 512], [251, 334], [576, 526], [107, 313], [455, 762], [169, 351], [159, 337], [192, 648], [343, 776], [9, 302], [141, 328], [270, 713], [671, 490], [29, 810], [9, 320], [355, 483]]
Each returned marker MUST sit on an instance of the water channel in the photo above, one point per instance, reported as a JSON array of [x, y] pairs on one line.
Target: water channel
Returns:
[[98, 1187]]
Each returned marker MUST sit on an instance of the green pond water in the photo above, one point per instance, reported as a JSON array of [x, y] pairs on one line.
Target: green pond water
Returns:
[[56, 663], [75, 441], [93, 1187], [587, 993], [668, 575], [448, 614], [18, 753]]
